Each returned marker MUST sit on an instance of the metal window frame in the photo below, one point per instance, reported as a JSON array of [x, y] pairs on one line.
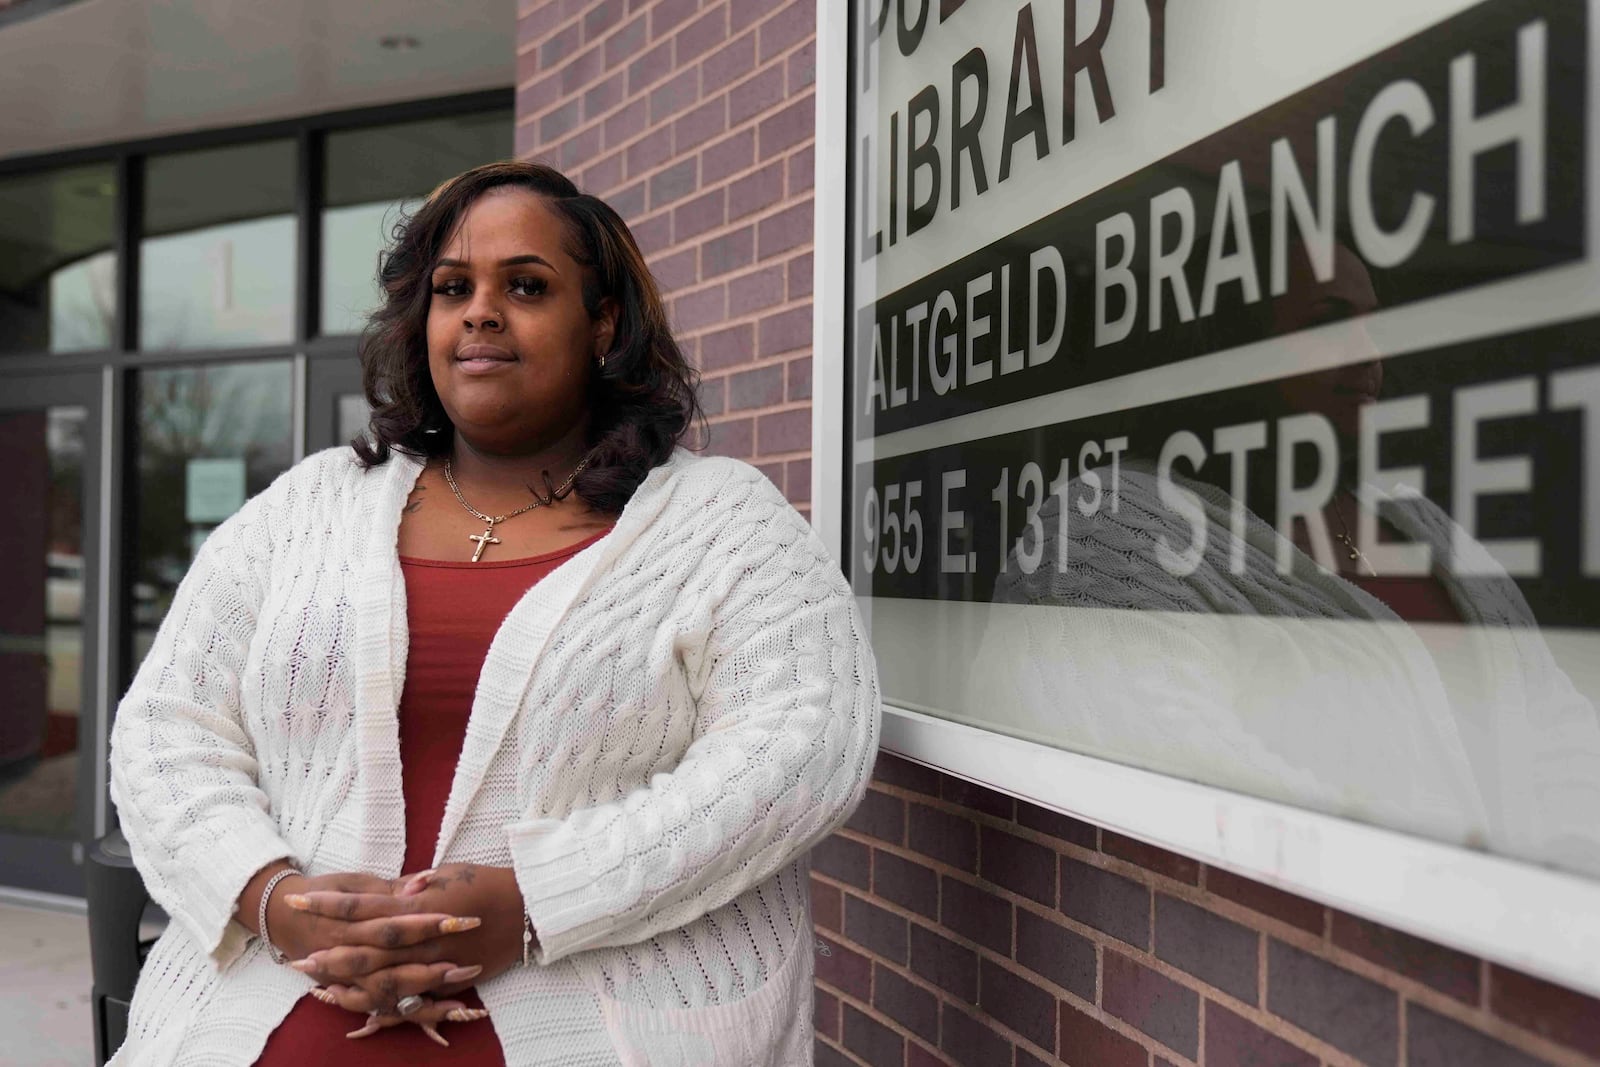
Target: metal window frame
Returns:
[[1541, 921]]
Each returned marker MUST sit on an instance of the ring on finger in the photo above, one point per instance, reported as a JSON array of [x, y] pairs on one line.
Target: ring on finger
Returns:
[[409, 1005]]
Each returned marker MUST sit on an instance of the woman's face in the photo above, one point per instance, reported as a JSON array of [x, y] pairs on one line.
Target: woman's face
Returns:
[[510, 346]]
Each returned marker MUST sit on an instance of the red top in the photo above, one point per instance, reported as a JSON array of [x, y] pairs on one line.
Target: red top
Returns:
[[453, 610], [1413, 599]]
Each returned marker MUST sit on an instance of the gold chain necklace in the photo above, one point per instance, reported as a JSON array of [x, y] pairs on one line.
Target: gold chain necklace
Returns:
[[487, 537], [1344, 538]]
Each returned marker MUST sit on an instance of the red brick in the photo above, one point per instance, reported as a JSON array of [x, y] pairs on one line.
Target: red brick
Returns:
[[1152, 1002], [944, 837], [785, 331], [825, 1055], [1450, 972], [789, 228], [977, 797], [905, 1002], [728, 348], [1108, 902], [674, 183], [825, 1012], [703, 307], [554, 125], [880, 815], [1432, 1040], [875, 929], [702, 35], [755, 191], [742, 13], [800, 379], [1018, 1003], [734, 437], [901, 881], [605, 95], [975, 914], [675, 94], [1085, 1041], [624, 45], [713, 396], [784, 431], [788, 27], [580, 71], [827, 905], [843, 968], [525, 141], [557, 48], [653, 234], [755, 291], [917, 1056], [1548, 1010], [761, 388], [700, 125], [677, 271], [535, 22], [903, 774], [1285, 907], [787, 128], [650, 67], [802, 170], [627, 123], [755, 94], [1220, 953], [1233, 1041], [1349, 1012], [802, 67], [801, 274], [939, 960], [629, 202], [581, 146], [1049, 949], [527, 69], [699, 215], [1179, 868], [728, 156], [666, 14], [798, 479], [874, 1042], [733, 60], [1065, 827], [843, 860], [1025, 868], [970, 1040], [601, 17], [728, 252], [649, 152]]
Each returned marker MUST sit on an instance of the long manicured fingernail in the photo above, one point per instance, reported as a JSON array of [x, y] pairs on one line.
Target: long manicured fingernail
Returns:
[[298, 901], [366, 1031], [304, 966], [460, 924], [462, 974], [325, 996], [428, 1029], [466, 1015]]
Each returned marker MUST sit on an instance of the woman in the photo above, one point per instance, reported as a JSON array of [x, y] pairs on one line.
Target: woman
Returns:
[[594, 697]]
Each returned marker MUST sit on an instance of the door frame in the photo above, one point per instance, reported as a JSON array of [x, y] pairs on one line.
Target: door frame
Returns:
[[30, 862]]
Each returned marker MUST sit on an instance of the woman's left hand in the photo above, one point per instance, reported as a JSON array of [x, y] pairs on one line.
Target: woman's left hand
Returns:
[[369, 979], [428, 1016]]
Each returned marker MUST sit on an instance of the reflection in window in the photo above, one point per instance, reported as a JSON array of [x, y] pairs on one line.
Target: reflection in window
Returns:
[[217, 258], [57, 270], [209, 438], [41, 621], [374, 176]]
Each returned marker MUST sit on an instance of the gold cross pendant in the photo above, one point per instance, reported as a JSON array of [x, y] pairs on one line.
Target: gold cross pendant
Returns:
[[485, 538]]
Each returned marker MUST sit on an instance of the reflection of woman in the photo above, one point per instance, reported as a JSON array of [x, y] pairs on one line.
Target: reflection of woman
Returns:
[[595, 725], [1241, 671]]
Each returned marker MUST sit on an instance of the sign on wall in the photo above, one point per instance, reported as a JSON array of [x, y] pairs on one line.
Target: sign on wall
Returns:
[[1225, 394]]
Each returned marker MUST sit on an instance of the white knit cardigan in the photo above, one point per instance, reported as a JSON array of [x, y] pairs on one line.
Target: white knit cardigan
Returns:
[[662, 728]]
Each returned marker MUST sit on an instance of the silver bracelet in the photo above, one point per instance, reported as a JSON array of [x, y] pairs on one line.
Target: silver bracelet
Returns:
[[277, 954], [527, 939]]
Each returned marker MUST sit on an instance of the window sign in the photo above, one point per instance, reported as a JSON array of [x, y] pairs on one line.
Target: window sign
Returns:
[[1225, 395]]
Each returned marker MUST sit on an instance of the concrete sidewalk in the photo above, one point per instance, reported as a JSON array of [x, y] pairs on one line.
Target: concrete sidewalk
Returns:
[[45, 1017]]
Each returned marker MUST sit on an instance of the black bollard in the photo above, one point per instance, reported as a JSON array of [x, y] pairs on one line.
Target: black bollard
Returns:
[[117, 900]]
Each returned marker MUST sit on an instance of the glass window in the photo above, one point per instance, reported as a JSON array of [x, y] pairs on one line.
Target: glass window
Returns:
[[217, 262], [57, 267], [209, 438], [373, 176], [41, 621]]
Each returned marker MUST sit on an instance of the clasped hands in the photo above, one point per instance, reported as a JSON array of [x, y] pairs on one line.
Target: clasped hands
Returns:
[[371, 942]]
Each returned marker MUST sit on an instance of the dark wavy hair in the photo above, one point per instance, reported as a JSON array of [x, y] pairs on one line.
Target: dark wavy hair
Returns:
[[642, 403]]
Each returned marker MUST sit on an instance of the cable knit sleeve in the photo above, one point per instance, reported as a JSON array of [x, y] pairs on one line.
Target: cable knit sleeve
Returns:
[[183, 768], [786, 731]]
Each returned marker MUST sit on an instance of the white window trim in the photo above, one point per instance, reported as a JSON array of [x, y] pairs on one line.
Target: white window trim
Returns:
[[1536, 920]]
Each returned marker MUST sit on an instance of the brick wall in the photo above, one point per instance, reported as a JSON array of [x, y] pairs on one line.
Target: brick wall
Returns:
[[956, 925], [695, 121]]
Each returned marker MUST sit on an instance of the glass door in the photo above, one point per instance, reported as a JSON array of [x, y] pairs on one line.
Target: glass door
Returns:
[[336, 406], [52, 715]]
